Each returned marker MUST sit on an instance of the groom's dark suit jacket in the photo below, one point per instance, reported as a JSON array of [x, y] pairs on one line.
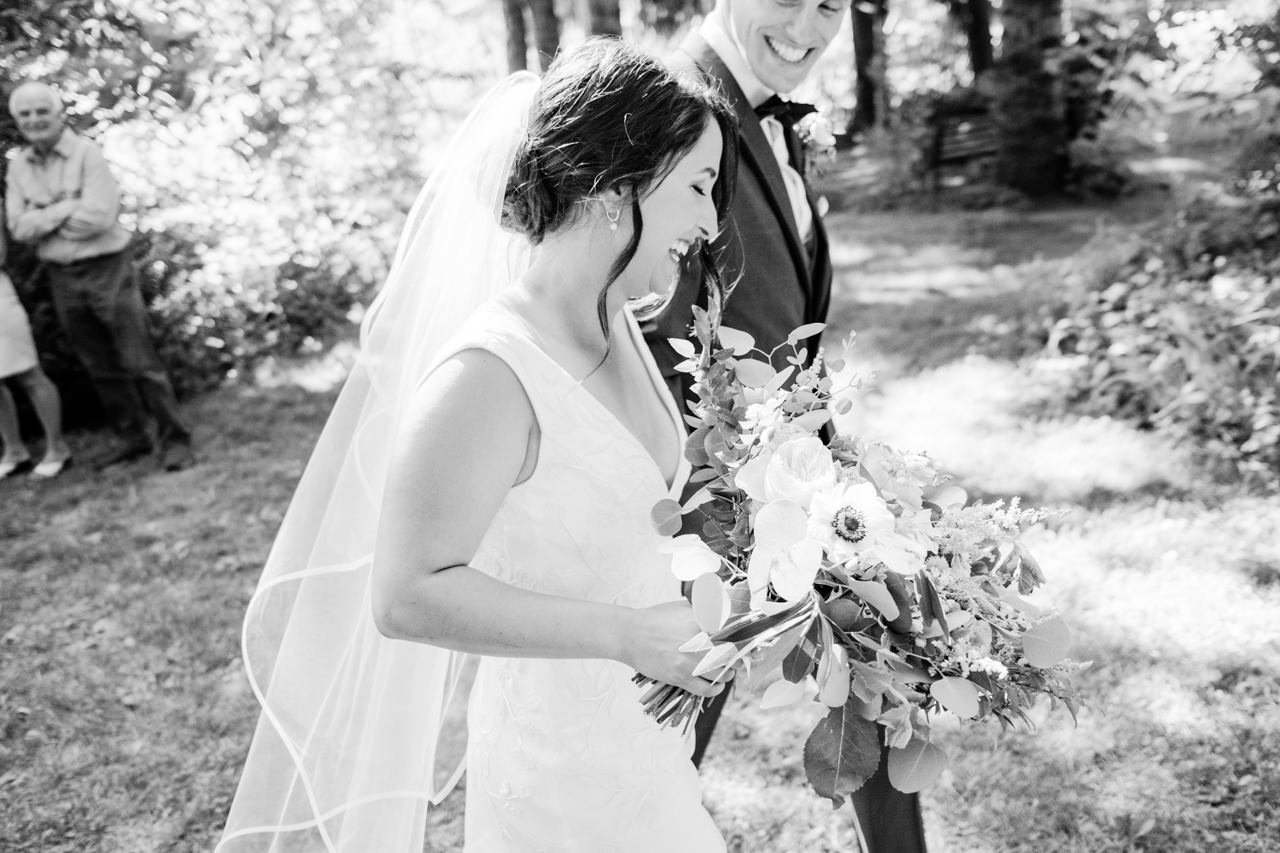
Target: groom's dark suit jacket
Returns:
[[781, 282]]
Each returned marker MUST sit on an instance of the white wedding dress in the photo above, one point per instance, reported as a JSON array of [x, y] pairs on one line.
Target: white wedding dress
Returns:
[[560, 756]]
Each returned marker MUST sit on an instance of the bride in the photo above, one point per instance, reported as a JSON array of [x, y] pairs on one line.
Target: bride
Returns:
[[483, 488]]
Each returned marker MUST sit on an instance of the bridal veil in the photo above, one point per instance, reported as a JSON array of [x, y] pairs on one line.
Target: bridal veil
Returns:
[[346, 754]]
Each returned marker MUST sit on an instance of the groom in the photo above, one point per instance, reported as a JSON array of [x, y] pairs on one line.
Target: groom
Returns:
[[775, 247]]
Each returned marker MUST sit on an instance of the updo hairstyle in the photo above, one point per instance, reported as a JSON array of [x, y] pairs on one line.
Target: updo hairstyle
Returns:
[[607, 116]]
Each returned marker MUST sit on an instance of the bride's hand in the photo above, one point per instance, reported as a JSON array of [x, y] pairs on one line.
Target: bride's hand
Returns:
[[652, 640]]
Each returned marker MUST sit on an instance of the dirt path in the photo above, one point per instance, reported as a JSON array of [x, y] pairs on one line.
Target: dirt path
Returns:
[[923, 288]]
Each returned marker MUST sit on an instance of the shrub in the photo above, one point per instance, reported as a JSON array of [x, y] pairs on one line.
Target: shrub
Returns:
[[216, 310], [1256, 168], [215, 313], [1183, 335]]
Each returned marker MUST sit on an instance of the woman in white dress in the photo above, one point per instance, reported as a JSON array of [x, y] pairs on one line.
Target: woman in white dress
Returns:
[[19, 364], [483, 488]]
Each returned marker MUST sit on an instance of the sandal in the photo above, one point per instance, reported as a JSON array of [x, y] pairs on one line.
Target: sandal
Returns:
[[50, 468], [10, 467]]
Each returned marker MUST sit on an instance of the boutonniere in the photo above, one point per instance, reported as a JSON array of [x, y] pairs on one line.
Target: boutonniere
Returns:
[[819, 140]]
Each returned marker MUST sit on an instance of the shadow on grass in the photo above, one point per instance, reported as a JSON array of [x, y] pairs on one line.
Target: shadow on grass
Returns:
[[935, 329], [1188, 768], [1093, 499]]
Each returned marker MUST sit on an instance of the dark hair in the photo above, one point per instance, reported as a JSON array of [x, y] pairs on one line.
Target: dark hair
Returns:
[[609, 116]]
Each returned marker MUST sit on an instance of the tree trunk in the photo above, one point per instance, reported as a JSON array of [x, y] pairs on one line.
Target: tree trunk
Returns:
[[978, 30], [605, 18], [1027, 99], [517, 35], [546, 30], [870, 98]]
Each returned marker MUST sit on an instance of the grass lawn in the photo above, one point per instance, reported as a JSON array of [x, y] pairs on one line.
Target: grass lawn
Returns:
[[125, 715]]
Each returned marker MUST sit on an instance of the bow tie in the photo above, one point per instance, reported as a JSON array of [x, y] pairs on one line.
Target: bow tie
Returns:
[[786, 112]]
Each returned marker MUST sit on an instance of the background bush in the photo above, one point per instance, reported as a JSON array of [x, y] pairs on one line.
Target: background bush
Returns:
[[267, 154], [1183, 335], [1181, 332]]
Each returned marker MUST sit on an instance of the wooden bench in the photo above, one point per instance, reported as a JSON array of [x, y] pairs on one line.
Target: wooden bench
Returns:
[[960, 139]]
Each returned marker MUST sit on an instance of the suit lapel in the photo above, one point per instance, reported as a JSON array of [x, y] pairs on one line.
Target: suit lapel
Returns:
[[754, 149]]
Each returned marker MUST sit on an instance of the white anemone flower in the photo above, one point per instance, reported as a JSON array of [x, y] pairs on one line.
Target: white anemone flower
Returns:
[[853, 523]]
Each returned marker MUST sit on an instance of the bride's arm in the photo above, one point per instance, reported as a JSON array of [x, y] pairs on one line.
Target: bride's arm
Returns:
[[469, 437]]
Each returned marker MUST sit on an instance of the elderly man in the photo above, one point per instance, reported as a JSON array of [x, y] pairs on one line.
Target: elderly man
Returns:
[[62, 198], [775, 248]]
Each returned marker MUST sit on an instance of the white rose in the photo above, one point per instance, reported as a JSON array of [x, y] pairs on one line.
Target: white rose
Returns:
[[799, 469]]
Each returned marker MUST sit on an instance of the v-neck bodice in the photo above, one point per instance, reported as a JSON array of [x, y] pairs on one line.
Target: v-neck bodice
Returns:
[[594, 483], [655, 389]]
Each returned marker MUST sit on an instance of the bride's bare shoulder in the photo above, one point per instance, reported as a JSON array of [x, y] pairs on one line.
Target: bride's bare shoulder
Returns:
[[474, 383]]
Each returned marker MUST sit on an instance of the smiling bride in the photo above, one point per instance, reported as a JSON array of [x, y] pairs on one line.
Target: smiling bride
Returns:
[[482, 490]]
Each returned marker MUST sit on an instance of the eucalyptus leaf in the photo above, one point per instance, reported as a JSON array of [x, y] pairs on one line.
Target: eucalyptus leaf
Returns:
[[753, 373], [695, 500], [683, 346], [715, 443], [779, 379], [710, 602], [905, 673], [1046, 642], [808, 330], [877, 595], [702, 475], [958, 695], [666, 517], [690, 556], [914, 767], [1020, 603], [738, 341], [841, 753], [949, 497], [813, 421]]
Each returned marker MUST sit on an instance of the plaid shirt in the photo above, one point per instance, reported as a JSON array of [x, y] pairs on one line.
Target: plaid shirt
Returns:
[[66, 201]]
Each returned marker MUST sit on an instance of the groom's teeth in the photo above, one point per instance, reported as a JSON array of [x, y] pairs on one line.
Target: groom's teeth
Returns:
[[786, 51]]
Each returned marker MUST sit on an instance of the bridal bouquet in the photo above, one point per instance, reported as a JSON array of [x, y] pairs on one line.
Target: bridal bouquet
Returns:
[[846, 572]]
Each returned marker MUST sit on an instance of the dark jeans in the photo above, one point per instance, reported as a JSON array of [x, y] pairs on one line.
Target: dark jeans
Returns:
[[890, 820], [101, 311]]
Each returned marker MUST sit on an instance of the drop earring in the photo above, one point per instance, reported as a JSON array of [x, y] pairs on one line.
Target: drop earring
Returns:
[[613, 215]]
